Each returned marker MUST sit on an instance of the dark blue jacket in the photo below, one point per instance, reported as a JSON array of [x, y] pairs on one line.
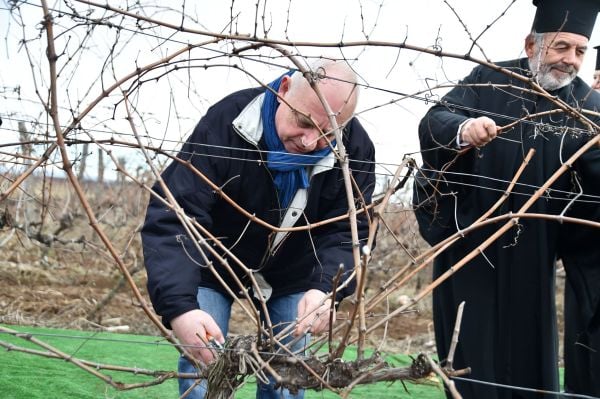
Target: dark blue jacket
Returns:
[[227, 147]]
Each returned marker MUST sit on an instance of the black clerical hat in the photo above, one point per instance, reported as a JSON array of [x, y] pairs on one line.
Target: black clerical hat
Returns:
[[574, 16], [597, 57]]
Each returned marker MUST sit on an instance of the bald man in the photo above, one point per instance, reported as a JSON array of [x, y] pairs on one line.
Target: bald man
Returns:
[[270, 150]]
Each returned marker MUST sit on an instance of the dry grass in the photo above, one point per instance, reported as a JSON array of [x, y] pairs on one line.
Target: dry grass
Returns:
[[54, 271]]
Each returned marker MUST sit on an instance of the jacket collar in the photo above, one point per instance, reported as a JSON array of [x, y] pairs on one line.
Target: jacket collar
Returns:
[[248, 123]]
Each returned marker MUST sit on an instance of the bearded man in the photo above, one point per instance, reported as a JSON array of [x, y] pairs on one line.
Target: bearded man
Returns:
[[508, 334]]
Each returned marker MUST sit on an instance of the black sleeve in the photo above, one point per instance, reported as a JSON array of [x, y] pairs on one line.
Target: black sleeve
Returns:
[[439, 127], [171, 257], [437, 136]]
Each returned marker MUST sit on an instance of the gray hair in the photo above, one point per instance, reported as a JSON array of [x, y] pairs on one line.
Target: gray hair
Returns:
[[538, 38], [538, 44]]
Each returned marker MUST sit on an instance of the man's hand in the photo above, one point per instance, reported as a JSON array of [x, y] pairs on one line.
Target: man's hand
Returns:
[[313, 313], [193, 328], [478, 131]]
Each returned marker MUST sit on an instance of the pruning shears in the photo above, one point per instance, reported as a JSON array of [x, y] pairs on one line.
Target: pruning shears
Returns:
[[213, 342]]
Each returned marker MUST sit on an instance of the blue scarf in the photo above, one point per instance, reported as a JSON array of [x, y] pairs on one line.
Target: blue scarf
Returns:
[[289, 169]]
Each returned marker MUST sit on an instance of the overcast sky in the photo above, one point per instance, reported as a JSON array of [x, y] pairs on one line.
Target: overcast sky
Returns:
[[385, 71]]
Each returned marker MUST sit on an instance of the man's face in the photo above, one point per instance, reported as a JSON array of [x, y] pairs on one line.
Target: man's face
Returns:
[[558, 59], [596, 84], [302, 126]]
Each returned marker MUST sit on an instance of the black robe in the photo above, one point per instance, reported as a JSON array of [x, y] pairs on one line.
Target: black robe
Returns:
[[508, 333], [580, 253]]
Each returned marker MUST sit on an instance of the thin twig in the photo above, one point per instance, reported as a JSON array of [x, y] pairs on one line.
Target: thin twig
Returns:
[[447, 381], [454, 341]]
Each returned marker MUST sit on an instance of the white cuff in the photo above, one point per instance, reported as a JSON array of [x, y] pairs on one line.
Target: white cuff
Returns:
[[459, 142]]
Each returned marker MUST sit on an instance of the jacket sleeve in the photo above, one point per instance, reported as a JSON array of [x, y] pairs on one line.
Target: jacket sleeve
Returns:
[[333, 242], [171, 257]]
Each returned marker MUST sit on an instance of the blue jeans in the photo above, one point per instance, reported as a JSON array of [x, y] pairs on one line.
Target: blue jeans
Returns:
[[282, 311]]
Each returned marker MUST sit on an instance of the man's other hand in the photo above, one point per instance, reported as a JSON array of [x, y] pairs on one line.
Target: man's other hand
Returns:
[[313, 313], [194, 328]]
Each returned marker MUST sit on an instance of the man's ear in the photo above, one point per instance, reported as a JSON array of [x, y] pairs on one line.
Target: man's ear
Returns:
[[285, 85], [529, 46]]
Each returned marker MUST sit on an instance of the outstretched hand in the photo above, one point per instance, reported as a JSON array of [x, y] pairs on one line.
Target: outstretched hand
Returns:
[[313, 313], [194, 328], [478, 131]]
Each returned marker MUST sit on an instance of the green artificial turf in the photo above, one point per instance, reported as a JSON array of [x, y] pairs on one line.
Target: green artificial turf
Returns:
[[25, 376]]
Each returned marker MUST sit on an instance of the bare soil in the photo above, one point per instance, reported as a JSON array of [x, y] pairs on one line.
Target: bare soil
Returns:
[[61, 298], [64, 277]]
